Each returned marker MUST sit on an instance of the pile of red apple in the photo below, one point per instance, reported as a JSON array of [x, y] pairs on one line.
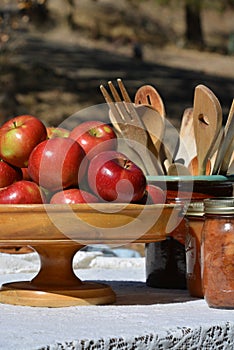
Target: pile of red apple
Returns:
[[40, 164]]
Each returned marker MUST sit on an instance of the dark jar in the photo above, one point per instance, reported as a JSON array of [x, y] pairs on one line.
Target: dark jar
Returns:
[[195, 216], [165, 264], [217, 253]]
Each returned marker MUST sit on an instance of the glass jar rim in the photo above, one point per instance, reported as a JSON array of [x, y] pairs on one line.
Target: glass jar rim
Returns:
[[195, 208], [220, 205]]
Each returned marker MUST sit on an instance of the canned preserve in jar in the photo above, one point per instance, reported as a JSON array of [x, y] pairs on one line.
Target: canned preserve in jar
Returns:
[[217, 253], [195, 216]]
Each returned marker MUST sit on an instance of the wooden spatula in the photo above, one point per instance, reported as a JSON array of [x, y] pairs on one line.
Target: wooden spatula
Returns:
[[207, 121]]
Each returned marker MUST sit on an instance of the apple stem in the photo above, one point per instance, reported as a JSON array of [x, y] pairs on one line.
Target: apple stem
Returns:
[[93, 132], [125, 163]]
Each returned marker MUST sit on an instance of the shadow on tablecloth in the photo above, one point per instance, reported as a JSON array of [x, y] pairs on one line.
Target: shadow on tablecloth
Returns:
[[138, 293]]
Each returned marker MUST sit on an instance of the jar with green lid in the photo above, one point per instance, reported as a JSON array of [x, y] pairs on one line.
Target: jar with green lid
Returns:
[[217, 252], [195, 216]]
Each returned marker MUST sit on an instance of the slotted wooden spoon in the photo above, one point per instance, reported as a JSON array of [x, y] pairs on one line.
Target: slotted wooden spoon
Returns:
[[148, 95], [207, 121]]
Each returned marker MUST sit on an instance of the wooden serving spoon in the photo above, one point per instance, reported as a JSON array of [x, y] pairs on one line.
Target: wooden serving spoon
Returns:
[[154, 123], [207, 120], [177, 169], [155, 126], [186, 143], [186, 148]]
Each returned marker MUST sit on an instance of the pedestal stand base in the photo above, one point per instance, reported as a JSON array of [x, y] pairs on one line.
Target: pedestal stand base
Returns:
[[26, 294], [56, 284]]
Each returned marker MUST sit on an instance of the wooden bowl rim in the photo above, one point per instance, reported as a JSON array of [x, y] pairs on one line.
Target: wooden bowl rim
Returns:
[[84, 207]]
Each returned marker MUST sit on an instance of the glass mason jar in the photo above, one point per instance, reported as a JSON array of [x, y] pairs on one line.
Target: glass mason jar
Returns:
[[217, 253], [166, 260], [195, 216]]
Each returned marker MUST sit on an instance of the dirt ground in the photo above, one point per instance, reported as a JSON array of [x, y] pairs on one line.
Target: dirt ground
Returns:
[[51, 71]]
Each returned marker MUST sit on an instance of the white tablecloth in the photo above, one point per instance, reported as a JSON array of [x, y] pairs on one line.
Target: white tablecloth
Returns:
[[142, 318]]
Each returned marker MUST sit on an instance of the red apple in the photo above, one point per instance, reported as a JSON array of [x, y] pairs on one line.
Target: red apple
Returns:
[[22, 192], [94, 137], [9, 174], [114, 177], [57, 163], [154, 195], [53, 132], [72, 196], [18, 137]]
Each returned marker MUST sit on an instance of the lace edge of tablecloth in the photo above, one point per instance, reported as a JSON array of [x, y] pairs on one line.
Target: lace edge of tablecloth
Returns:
[[216, 337]]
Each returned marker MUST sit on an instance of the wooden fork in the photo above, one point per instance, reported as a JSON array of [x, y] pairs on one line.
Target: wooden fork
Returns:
[[124, 116]]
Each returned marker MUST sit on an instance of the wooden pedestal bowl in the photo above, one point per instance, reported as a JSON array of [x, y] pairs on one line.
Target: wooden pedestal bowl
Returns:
[[58, 232]]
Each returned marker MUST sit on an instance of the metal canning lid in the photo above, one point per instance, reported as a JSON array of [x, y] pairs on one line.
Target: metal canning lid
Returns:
[[195, 208], [221, 205]]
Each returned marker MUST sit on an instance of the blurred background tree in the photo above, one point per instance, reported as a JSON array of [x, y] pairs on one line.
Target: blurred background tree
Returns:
[[193, 9], [35, 9], [194, 34], [40, 9], [193, 14]]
